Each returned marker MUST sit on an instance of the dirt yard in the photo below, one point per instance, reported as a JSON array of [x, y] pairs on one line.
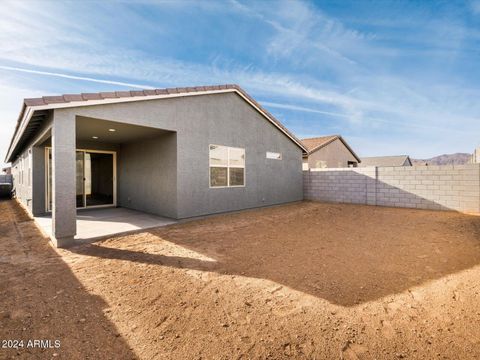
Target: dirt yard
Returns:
[[303, 281]]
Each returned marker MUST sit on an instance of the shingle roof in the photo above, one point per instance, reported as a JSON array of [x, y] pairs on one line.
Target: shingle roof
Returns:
[[316, 143], [72, 98], [385, 160]]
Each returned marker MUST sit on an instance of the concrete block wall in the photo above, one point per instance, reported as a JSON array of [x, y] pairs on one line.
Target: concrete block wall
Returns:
[[348, 185], [448, 187]]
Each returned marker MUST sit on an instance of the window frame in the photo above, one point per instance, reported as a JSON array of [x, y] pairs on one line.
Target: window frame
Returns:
[[269, 155], [228, 166]]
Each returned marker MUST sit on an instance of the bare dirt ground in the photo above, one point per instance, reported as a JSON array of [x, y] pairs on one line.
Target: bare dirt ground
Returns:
[[305, 281]]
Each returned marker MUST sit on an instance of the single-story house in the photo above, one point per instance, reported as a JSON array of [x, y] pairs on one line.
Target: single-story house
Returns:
[[400, 160], [328, 152], [177, 153]]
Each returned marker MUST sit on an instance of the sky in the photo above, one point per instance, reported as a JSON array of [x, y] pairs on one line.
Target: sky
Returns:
[[400, 77]]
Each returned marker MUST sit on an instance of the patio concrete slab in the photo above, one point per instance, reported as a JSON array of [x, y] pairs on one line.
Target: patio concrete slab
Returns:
[[95, 224]]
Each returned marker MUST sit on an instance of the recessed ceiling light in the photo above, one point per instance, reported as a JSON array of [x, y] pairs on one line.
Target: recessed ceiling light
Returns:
[[94, 137], [112, 130]]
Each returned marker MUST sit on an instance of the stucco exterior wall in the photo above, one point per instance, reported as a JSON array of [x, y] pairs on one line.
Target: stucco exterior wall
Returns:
[[448, 187], [147, 175], [221, 119], [333, 155]]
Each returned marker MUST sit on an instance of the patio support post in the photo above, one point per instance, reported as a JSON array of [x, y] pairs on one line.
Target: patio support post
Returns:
[[64, 212]]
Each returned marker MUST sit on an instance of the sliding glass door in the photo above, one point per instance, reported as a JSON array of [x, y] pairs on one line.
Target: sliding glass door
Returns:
[[98, 188], [95, 178]]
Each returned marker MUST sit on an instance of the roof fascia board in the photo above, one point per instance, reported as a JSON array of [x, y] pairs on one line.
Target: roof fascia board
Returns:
[[273, 122], [27, 114], [350, 149]]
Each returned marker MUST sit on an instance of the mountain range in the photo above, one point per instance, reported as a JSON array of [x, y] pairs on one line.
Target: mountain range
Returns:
[[445, 159]]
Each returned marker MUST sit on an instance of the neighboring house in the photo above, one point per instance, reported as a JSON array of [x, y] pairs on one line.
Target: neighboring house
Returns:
[[400, 160], [328, 152], [476, 156], [179, 153], [7, 170]]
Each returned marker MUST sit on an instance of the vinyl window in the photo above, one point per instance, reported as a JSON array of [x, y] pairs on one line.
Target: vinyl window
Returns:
[[227, 166], [273, 155]]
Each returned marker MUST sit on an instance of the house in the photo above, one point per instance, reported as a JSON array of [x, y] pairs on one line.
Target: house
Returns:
[[177, 153], [7, 170], [400, 160], [328, 152]]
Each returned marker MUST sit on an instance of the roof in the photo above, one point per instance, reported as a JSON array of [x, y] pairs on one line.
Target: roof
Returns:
[[32, 105], [386, 160], [316, 143]]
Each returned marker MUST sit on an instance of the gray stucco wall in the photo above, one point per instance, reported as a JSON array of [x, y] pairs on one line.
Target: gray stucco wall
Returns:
[[222, 119], [147, 175]]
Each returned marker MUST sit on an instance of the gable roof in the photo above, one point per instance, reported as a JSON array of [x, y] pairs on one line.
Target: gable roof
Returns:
[[32, 105], [316, 143], [386, 160]]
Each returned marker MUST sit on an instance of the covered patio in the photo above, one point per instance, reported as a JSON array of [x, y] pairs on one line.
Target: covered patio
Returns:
[[96, 178], [96, 224]]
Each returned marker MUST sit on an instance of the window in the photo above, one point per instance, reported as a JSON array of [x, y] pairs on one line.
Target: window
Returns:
[[274, 155], [227, 166]]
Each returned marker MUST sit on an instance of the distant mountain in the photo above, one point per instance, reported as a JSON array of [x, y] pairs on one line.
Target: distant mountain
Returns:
[[446, 159]]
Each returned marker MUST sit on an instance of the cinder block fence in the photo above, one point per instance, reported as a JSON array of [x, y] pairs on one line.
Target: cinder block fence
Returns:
[[448, 187]]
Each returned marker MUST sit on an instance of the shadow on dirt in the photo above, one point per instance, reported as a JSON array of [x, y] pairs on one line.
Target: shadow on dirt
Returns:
[[42, 299]]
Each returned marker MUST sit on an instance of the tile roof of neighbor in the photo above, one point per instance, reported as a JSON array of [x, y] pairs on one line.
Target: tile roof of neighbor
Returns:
[[72, 98], [398, 160], [316, 143]]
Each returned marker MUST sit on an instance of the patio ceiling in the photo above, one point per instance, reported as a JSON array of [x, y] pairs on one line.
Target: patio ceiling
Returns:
[[105, 131]]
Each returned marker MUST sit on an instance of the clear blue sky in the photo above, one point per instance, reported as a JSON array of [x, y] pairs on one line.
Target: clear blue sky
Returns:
[[392, 77]]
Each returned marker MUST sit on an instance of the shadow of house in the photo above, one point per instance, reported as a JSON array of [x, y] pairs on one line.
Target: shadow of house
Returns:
[[327, 251], [43, 299]]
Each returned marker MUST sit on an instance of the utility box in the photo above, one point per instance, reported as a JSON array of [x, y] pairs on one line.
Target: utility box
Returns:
[[6, 184]]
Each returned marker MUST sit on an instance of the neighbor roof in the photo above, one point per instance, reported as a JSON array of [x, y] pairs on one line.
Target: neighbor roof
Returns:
[[386, 160], [316, 143], [32, 105]]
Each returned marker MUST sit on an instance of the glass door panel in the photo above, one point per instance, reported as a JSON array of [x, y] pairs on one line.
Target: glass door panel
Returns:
[[94, 178], [80, 179], [98, 178]]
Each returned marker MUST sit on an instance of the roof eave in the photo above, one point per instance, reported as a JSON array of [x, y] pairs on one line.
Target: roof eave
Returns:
[[35, 104], [350, 149], [11, 146]]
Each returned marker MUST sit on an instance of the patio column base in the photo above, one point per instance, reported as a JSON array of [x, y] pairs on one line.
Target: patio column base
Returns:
[[62, 242]]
